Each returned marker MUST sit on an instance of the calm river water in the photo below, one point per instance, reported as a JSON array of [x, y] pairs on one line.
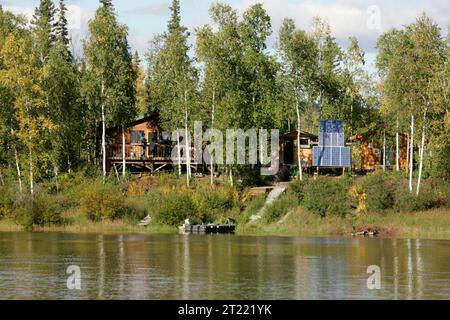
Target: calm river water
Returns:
[[34, 266]]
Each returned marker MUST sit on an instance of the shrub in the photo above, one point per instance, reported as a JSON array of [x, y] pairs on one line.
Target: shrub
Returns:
[[140, 186], [385, 191], [380, 190], [326, 196], [40, 210], [137, 209], [250, 176], [171, 208], [102, 201], [214, 203], [297, 187], [6, 203], [433, 194], [280, 208]]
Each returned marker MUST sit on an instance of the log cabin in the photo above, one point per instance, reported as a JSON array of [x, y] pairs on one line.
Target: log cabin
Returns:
[[289, 147], [146, 147], [372, 153]]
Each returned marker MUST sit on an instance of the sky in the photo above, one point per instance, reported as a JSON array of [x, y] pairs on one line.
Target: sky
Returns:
[[365, 19]]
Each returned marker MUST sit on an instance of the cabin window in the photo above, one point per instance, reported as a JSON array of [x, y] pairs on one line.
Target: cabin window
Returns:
[[137, 136], [304, 143]]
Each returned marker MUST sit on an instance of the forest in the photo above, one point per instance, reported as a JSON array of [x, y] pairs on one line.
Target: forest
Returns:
[[57, 105]]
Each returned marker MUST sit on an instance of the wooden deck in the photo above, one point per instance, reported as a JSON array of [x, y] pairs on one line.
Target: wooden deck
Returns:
[[151, 158]]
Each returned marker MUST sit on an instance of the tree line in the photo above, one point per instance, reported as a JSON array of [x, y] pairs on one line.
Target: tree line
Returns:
[[56, 109]]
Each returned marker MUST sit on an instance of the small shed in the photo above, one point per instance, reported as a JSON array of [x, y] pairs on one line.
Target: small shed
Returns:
[[372, 152], [289, 146]]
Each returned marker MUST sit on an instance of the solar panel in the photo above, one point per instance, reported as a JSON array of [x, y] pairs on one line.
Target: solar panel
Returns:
[[332, 140], [331, 134], [332, 151], [331, 126], [333, 157]]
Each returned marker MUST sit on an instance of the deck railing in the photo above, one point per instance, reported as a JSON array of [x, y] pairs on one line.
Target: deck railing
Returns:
[[140, 152]]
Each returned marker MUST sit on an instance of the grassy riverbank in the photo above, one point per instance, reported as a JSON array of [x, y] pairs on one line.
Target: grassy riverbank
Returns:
[[433, 224], [328, 206]]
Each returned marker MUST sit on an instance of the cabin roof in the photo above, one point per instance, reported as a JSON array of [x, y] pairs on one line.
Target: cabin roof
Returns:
[[293, 135], [140, 120]]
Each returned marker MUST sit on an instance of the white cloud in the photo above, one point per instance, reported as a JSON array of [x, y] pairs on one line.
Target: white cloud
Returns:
[[23, 10], [352, 17], [156, 9]]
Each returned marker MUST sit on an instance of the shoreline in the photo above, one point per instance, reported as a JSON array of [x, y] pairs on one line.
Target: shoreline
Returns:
[[427, 225]]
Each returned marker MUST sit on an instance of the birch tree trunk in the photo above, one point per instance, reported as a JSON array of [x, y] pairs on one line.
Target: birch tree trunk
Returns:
[[30, 153], [103, 134], [299, 147], [2, 182], [188, 147], [56, 178], [231, 176], [179, 154], [384, 150], [188, 154], [69, 165], [411, 155], [407, 154], [397, 149], [212, 127], [19, 173], [422, 152], [124, 162]]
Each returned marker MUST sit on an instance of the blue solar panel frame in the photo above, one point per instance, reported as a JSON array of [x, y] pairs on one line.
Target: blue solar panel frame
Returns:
[[332, 157], [331, 133], [331, 126], [332, 140]]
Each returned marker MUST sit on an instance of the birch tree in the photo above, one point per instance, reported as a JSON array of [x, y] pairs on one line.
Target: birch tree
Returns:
[[172, 81], [107, 57], [24, 79], [299, 52]]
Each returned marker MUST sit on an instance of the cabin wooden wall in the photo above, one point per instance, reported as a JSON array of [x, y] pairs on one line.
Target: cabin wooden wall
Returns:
[[371, 155], [372, 158], [147, 127], [307, 155]]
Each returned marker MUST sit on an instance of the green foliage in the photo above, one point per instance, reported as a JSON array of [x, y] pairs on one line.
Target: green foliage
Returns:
[[103, 201], [298, 188], [388, 191], [213, 203], [441, 161], [380, 190], [42, 210], [252, 208], [172, 208], [327, 196], [280, 208], [6, 202], [434, 194]]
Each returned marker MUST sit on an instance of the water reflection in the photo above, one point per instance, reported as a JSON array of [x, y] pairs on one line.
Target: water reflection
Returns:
[[33, 266]]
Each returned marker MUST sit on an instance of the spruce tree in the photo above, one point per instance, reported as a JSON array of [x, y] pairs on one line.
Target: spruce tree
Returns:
[[43, 29]]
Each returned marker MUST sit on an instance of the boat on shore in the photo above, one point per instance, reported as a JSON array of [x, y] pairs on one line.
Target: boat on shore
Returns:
[[228, 228]]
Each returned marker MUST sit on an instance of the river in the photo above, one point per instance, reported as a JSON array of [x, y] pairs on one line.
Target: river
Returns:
[[35, 266]]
